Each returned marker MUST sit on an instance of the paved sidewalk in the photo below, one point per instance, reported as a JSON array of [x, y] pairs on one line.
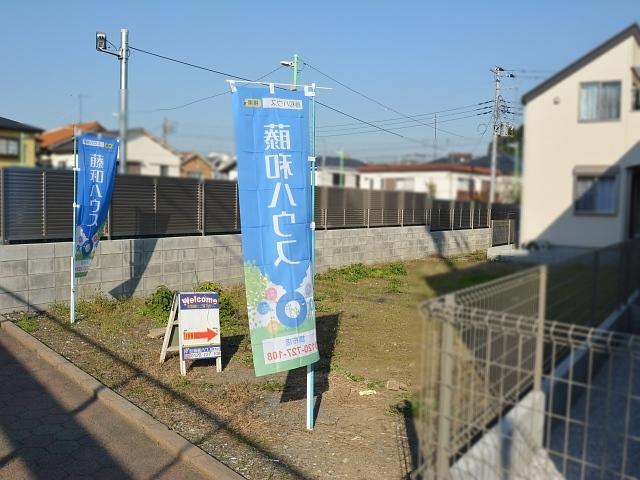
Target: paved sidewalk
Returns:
[[52, 429]]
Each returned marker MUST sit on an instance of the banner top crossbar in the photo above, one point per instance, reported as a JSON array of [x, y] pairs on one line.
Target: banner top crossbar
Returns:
[[307, 88]]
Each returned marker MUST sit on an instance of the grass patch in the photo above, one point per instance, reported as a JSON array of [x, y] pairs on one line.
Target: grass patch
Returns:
[[270, 386], [359, 271], [28, 323]]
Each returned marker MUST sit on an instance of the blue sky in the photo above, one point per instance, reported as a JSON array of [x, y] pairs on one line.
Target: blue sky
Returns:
[[415, 56]]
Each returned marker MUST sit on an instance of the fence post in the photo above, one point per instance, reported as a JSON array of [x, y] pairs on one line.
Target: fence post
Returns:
[[402, 217], [203, 212], [542, 305], [3, 207], [508, 232], [382, 216], [368, 218], [472, 211], [451, 216], [344, 217], [325, 218], [44, 204], [594, 287], [444, 400]]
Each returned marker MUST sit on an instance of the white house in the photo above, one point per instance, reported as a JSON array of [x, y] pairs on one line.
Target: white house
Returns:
[[444, 181], [146, 155], [334, 172], [581, 178]]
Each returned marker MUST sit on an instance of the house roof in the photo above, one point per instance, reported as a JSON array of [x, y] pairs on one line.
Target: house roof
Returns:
[[504, 163], [138, 132], [631, 31], [60, 135], [426, 167], [334, 162], [188, 156], [8, 124]]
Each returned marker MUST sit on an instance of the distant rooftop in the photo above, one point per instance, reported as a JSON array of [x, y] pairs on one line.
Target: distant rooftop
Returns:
[[8, 124], [425, 167]]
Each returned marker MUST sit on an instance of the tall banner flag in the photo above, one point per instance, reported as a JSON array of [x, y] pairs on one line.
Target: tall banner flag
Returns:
[[97, 172], [272, 146]]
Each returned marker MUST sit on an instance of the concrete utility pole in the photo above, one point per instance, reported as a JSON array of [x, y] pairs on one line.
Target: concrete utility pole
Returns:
[[497, 72], [124, 113], [102, 45], [341, 156], [497, 130]]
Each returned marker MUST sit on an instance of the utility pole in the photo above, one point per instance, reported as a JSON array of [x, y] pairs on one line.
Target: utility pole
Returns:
[[435, 136], [341, 156], [124, 113], [102, 45], [497, 72], [497, 130], [80, 97]]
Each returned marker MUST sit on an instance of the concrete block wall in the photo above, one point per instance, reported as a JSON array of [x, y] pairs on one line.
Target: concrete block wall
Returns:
[[36, 275]]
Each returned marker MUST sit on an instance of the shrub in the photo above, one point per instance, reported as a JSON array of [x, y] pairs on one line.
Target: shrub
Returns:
[[158, 305], [228, 305]]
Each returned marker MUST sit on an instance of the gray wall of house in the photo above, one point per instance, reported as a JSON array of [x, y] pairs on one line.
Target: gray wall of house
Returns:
[[37, 275]]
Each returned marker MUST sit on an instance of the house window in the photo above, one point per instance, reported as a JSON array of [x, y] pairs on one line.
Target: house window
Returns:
[[337, 179], [599, 101], [164, 170], [357, 181], [595, 194], [635, 98], [9, 147], [194, 174]]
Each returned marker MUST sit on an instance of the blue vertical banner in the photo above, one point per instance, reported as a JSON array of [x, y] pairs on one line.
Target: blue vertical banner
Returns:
[[97, 156], [274, 183]]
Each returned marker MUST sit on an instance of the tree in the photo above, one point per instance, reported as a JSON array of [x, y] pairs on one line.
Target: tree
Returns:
[[505, 144]]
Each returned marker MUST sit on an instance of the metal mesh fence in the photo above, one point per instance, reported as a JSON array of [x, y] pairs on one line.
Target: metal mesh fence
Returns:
[[518, 383]]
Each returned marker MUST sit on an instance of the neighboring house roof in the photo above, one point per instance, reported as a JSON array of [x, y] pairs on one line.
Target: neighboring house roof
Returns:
[[57, 136], [504, 163], [631, 31], [228, 166], [334, 162], [188, 156], [139, 132], [426, 167], [8, 124]]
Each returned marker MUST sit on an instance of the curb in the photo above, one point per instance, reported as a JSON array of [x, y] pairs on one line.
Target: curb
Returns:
[[160, 433]]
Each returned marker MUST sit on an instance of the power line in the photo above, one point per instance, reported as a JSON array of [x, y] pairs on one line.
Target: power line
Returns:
[[219, 72], [202, 99], [390, 129], [386, 107], [399, 121], [182, 62]]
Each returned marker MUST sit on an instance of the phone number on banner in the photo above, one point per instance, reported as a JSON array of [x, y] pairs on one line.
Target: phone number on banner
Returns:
[[290, 347], [197, 353]]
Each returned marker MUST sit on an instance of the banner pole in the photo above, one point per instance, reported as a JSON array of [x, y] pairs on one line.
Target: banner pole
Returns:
[[310, 368], [72, 300]]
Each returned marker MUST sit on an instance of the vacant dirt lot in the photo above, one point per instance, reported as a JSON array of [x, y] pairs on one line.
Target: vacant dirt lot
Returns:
[[369, 333]]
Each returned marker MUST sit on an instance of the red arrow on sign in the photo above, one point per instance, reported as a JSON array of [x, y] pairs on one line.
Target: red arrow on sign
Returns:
[[207, 335]]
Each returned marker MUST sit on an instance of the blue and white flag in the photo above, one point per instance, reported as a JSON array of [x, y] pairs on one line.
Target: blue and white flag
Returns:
[[96, 176], [274, 182]]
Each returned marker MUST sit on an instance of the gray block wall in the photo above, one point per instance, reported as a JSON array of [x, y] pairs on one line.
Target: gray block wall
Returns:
[[37, 275]]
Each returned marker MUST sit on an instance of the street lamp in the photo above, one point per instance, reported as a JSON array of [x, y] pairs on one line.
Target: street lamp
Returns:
[[102, 45]]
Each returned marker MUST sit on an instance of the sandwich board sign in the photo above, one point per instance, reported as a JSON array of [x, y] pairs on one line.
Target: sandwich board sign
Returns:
[[193, 329]]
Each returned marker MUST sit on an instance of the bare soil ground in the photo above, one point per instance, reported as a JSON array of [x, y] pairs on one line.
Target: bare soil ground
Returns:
[[369, 332]]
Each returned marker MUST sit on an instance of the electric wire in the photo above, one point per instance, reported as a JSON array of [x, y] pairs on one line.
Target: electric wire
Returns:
[[336, 110], [202, 99], [386, 107], [399, 122], [399, 128]]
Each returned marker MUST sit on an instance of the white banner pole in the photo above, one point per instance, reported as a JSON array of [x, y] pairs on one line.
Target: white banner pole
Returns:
[[310, 369], [72, 300]]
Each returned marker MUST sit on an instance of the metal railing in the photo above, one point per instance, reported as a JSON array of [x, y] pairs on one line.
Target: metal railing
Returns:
[[503, 232], [518, 384], [35, 205]]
